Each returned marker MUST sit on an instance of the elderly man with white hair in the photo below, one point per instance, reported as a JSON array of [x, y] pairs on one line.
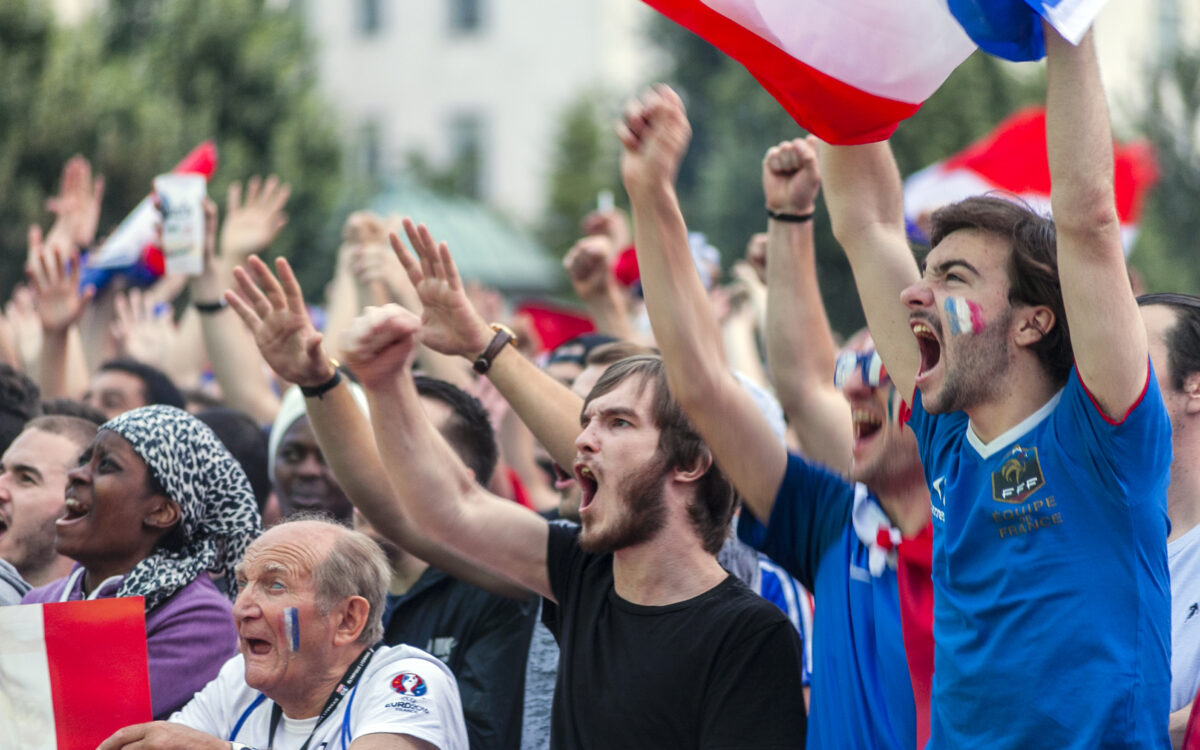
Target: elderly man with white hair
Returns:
[[311, 672]]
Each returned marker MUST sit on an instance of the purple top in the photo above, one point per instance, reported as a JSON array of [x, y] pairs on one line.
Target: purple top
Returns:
[[188, 638]]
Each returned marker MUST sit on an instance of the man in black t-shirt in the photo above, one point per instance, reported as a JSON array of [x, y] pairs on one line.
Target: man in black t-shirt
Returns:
[[661, 647]]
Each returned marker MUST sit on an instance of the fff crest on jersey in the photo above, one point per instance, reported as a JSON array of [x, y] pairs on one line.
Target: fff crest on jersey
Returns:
[[1019, 476]]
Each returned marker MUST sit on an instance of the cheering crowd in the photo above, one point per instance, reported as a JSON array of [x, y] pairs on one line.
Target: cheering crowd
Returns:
[[974, 525]]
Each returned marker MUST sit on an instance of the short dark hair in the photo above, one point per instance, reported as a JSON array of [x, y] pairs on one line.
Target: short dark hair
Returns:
[[679, 445], [1032, 267], [69, 407], [1183, 338], [20, 401], [246, 442], [615, 351], [469, 430], [157, 386]]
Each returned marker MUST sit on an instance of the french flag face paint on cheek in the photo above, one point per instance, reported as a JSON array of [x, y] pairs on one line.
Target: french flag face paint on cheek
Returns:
[[291, 628], [964, 316]]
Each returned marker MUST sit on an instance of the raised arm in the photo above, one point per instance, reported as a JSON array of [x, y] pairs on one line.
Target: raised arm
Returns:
[[1107, 333], [53, 269], [234, 358], [655, 135], [437, 491], [865, 199], [451, 325], [273, 309], [589, 266], [800, 351]]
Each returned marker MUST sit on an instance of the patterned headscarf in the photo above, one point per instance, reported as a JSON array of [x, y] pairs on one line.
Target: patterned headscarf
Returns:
[[218, 515]]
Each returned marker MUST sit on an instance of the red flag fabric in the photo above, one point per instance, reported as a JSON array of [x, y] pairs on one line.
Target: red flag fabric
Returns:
[[914, 577], [73, 673], [555, 324], [848, 71], [1012, 158]]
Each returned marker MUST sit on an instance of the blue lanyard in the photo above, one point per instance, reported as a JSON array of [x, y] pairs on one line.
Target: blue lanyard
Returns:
[[350, 680]]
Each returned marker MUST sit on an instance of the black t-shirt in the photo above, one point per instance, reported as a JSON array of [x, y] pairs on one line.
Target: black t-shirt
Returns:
[[721, 670]]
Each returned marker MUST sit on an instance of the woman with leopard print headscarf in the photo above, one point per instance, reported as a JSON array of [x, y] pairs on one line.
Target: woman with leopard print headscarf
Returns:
[[156, 508]]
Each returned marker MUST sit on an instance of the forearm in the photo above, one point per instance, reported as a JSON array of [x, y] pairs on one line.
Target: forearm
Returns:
[[348, 445], [738, 333], [424, 472], [1079, 140], [546, 406], [75, 379], [52, 365], [186, 359], [800, 350], [238, 366], [341, 302], [865, 198], [609, 313], [681, 316]]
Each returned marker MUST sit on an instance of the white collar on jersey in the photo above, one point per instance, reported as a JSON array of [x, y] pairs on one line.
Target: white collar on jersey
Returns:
[[1009, 436]]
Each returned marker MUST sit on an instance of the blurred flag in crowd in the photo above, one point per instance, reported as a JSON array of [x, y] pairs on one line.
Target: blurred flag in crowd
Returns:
[[73, 673], [1012, 159], [1012, 29], [132, 249], [848, 71], [554, 324]]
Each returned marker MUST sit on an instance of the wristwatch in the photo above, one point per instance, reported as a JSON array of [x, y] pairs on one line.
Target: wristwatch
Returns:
[[504, 336]]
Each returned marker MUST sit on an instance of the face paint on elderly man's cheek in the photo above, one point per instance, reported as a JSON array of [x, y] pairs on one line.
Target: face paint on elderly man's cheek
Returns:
[[964, 316], [290, 618]]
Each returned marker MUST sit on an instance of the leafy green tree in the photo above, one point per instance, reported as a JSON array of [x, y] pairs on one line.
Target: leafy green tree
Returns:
[[138, 86], [584, 163], [1165, 252]]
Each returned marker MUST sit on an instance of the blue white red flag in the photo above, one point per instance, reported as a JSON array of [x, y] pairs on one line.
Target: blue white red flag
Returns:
[[72, 673], [848, 71]]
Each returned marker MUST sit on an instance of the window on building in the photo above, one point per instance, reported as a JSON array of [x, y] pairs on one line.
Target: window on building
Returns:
[[466, 16], [370, 149], [467, 153], [370, 17]]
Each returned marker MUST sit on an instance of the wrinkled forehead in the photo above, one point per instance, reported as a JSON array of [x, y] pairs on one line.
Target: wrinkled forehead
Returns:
[[297, 551]]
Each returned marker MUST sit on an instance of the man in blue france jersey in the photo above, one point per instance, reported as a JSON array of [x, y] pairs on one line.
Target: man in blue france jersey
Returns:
[[820, 527], [1043, 435]]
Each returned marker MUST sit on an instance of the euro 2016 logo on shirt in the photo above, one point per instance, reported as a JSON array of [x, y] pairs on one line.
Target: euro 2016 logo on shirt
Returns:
[[1018, 477], [408, 683]]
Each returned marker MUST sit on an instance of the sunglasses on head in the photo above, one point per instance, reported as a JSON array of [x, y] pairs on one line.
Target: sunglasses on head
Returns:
[[868, 363]]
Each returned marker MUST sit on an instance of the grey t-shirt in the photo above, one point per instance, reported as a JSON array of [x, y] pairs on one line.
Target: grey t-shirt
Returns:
[[12, 585]]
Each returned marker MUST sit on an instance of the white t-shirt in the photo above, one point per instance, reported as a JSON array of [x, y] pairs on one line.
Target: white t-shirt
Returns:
[[403, 691], [1183, 560]]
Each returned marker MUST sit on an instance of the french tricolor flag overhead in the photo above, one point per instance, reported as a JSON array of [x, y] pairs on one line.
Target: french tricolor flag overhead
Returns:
[[73, 673], [849, 71], [1012, 159]]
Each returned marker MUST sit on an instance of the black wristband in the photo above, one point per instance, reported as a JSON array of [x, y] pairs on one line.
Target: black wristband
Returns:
[[504, 336], [208, 308], [319, 391], [789, 218]]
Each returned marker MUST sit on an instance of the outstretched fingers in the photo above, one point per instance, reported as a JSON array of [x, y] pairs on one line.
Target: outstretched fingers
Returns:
[[267, 283], [293, 296], [415, 276], [249, 294]]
